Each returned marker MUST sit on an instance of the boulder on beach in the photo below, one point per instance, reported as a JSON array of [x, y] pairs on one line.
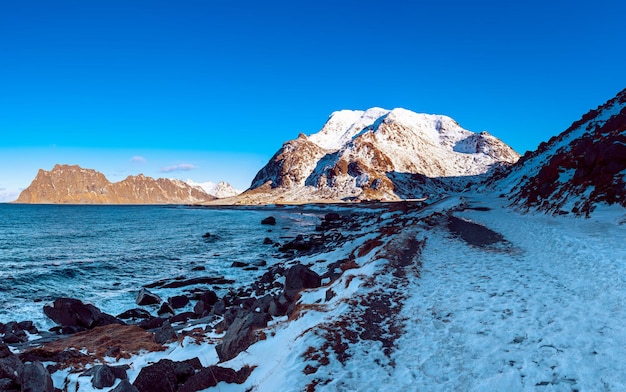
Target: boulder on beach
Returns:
[[70, 312], [298, 278], [145, 297]]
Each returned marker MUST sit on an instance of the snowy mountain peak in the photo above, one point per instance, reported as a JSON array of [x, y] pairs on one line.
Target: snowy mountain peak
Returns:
[[380, 154], [220, 190]]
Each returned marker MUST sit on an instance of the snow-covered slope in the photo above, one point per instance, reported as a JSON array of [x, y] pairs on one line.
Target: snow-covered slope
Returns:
[[380, 153], [220, 190], [578, 169]]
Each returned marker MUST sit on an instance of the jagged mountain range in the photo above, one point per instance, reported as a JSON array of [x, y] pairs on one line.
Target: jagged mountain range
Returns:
[[66, 184], [379, 154]]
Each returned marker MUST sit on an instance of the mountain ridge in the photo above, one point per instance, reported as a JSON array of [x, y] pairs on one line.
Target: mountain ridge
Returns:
[[359, 155], [72, 184]]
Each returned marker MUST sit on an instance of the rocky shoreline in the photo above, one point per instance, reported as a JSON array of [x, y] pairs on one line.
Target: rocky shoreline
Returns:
[[86, 339]]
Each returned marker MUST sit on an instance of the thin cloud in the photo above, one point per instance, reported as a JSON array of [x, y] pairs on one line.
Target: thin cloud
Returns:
[[138, 159], [179, 167]]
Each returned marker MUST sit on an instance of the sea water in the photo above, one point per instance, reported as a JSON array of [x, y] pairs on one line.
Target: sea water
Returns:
[[105, 254]]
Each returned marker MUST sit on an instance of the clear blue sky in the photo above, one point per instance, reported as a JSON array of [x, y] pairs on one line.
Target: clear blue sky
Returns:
[[214, 88]]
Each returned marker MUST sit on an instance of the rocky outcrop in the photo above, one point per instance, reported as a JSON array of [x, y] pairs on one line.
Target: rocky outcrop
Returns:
[[74, 315], [361, 155], [66, 184], [578, 169]]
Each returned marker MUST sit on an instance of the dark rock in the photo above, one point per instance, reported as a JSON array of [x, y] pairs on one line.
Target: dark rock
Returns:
[[28, 326], [102, 377], [238, 264], [120, 371], [262, 304], [212, 375], [158, 377], [206, 235], [298, 278], [240, 335], [8, 385], [166, 310], [173, 284], [165, 334], [74, 313], [35, 378], [165, 375], [145, 297], [178, 301], [199, 268], [332, 216], [260, 263], [3, 327], [125, 386], [268, 241], [155, 322], [135, 314], [10, 364], [270, 220], [182, 317], [14, 338], [209, 297], [219, 308]]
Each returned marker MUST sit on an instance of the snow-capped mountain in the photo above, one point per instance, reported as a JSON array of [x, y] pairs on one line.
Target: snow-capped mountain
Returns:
[[220, 190], [380, 154], [66, 184], [578, 169]]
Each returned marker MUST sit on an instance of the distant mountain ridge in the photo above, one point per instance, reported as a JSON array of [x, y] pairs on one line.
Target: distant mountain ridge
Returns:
[[66, 184], [577, 170], [220, 190], [378, 154]]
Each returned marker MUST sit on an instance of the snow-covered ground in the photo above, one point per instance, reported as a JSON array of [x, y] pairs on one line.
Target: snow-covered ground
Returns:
[[423, 310]]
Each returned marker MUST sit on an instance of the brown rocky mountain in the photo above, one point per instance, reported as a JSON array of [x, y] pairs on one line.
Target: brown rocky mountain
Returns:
[[378, 154], [66, 184], [577, 170]]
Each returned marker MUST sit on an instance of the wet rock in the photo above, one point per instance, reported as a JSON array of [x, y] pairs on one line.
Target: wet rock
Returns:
[[212, 375], [205, 303], [240, 334], [298, 278], [28, 326], [70, 312], [178, 301], [238, 264], [152, 323], [166, 310], [18, 336], [35, 378], [270, 220], [135, 314], [199, 268], [268, 241], [176, 283], [145, 297], [206, 235], [182, 317]]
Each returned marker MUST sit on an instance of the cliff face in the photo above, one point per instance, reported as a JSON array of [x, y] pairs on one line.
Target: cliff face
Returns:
[[66, 184]]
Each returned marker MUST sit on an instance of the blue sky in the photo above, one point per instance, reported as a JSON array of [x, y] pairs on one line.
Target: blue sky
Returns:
[[210, 90]]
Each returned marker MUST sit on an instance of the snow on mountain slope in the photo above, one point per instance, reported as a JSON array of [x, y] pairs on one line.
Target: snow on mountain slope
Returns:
[[376, 154], [578, 169], [220, 190]]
